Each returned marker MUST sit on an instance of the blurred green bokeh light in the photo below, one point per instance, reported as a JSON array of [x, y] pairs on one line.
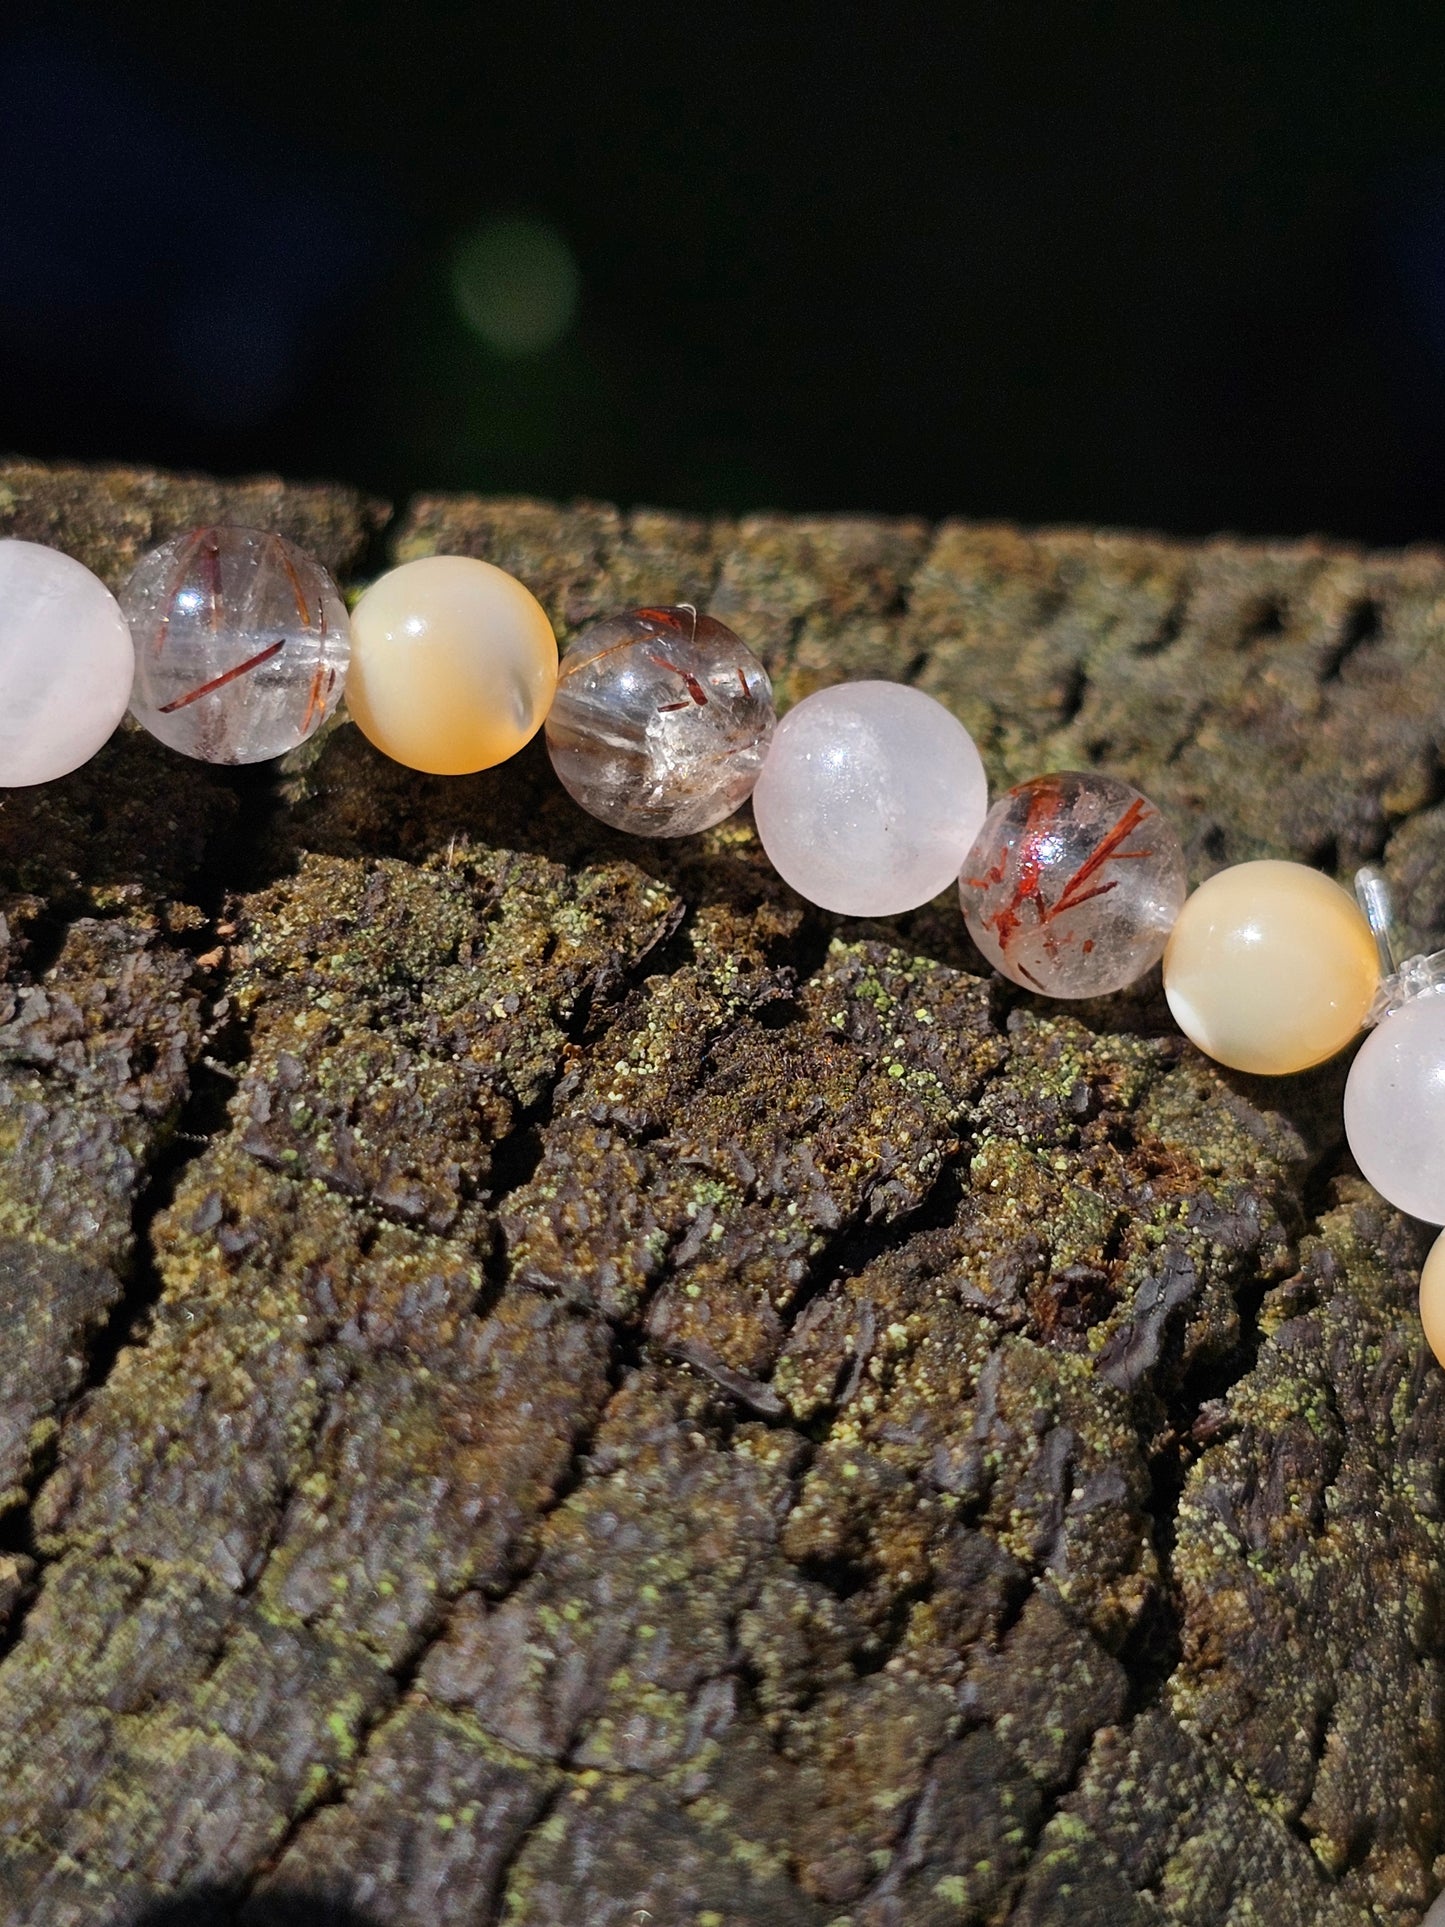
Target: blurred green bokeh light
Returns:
[[515, 284]]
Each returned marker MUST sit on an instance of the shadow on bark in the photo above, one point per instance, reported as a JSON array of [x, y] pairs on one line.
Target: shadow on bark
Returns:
[[210, 1906]]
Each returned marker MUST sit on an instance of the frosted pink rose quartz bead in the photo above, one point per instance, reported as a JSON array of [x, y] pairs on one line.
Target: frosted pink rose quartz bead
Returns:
[[1395, 1098], [66, 663], [1395, 1108], [870, 798]]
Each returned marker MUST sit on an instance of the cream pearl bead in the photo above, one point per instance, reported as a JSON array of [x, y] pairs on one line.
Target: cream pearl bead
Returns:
[[1432, 1313], [453, 665], [1271, 967]]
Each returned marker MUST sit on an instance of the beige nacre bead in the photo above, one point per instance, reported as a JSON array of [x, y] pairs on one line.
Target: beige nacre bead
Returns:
[[453, 665], [1432, 1316], [1271, 967]]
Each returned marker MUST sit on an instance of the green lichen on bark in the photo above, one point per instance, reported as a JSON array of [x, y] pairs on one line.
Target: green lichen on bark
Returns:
[[545, 1380]]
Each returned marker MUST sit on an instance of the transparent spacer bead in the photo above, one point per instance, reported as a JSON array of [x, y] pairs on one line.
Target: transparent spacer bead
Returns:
[[1401, 980]]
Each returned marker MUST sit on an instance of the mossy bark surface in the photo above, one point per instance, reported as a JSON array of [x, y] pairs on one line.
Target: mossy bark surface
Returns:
[[543, 1380]]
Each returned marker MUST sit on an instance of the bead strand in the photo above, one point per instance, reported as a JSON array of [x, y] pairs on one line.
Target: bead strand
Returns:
[[870, 798]]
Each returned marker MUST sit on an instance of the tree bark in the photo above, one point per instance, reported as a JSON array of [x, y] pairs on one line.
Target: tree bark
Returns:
[[543, 1380]]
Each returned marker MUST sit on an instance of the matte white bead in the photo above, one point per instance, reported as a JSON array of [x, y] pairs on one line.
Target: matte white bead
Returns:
[[1395, 1108], [870, 798], [66, 663]]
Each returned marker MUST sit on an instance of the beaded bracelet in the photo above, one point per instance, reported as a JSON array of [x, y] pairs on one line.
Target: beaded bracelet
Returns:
[[870, 798]]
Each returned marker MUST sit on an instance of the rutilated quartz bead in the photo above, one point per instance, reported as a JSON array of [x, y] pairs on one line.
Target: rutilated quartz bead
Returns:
[[660, 722], [241, 644], [1271, 967], [66, 663], [870, 798], [1073, 885], [453, 665]]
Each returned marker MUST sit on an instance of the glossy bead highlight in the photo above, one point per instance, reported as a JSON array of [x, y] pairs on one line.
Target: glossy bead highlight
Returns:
[[870, 798], [1073, 885], [1395, 1108], [66, 663], [1271, 967], [453, 665], [241, 644], [661, 721]]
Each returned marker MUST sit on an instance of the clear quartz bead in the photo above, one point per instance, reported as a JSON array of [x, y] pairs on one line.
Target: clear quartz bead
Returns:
[[661, 721], [241, 644], [1073, 885]]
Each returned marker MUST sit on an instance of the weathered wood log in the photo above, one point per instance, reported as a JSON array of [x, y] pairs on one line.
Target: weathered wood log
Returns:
[[542, 1380]]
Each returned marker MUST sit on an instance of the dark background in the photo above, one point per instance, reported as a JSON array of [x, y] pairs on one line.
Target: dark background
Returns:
[[1179, 266]]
